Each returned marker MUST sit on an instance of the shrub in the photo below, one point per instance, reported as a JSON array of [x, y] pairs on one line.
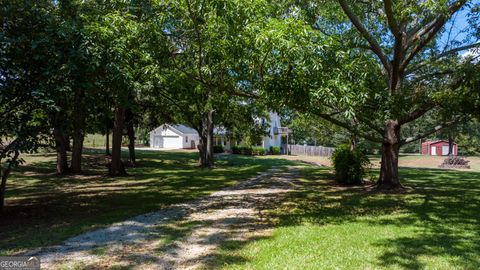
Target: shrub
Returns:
[[275, 150], [259, 151], [349, 165], [218, 149], [246, 150]]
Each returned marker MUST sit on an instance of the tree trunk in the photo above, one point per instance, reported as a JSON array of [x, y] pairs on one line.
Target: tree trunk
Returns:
[[389, 178], [4, 173], [131, 137], [61, 148], [353, 142], [206, 141], [77, 149], [107, 142], [3, 186], [116, 166], [67, 143], [79, 115], [450, 144]]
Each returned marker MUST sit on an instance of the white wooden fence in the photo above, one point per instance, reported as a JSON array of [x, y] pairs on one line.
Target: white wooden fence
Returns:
[[309, 150]]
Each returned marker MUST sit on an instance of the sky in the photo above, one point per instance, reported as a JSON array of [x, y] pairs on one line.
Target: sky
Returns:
[[460, 23]]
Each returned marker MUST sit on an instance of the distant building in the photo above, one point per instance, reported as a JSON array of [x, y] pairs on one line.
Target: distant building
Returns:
[[184, 137], [221, 137], [437, 148], [174, 137], [275, 132]]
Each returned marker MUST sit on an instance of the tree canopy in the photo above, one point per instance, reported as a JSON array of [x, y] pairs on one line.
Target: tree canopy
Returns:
[[374, 69]]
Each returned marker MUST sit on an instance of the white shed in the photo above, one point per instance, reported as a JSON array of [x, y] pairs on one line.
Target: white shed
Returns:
[[174, 137]]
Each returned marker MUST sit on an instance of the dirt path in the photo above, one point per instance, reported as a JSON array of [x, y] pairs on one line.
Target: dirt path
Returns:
[[183, 236]]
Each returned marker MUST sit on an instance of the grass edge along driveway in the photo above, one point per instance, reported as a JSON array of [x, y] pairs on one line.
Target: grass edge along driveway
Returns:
[[45, 209], [435, 225]]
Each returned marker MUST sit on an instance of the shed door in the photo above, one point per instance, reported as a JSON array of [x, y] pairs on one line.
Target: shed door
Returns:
[[434, 151], [445, 150], [172, 142]]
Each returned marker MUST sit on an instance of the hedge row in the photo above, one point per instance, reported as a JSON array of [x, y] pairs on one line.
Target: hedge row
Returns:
[[254, 150], [249, 150]]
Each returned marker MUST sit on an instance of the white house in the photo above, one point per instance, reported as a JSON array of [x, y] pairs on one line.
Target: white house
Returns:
[[184, 137], [174, 137], [273, 137], [275, 132], [221, 137]]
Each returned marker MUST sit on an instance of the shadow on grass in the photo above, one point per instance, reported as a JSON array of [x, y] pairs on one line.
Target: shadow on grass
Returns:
[[215, 219], [51, 208], [442, 207]]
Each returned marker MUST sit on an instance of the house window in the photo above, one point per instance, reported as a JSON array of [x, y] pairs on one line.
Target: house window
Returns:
[[186, 138]]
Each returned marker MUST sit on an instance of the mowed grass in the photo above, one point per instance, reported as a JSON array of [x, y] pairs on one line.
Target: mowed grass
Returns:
[[434, 225], [44, 209]]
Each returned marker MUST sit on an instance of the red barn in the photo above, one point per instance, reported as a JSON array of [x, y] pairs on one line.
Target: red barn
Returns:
[[437, 148]]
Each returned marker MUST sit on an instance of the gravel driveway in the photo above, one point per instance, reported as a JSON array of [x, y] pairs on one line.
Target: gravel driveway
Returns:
[[182, 236]]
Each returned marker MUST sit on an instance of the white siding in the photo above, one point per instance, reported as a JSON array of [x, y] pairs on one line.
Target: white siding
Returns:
[[165, 137], [187, 141], [272, 139]]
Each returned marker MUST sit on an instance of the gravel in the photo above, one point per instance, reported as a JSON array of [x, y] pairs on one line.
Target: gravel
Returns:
[[234, 213]]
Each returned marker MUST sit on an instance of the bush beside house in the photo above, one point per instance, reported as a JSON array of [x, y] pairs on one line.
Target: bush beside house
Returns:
[[248, 150], [259, 151], [275, 150]]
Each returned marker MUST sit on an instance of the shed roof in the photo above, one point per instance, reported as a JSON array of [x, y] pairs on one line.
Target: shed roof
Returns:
[[437, 141], [184, 129]]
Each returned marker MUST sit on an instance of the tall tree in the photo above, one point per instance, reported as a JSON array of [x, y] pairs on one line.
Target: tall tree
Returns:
[[24, 81], [379, 64], [210, 44], [408, 40], [115, 38], [123, 44]]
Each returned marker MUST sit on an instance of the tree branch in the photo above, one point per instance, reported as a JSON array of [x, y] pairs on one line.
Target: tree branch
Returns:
[[458, 49], [441, 55], [415, 114], [348, 127], [392, 23], [425, 35], [240, 93], [194, 19], [429, 131], [370, 125], [364, 32]]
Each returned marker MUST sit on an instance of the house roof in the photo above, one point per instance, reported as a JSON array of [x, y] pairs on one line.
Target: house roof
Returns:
[[183, 129]]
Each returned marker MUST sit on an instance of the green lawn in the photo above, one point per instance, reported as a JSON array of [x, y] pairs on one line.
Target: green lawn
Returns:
[[45, 209], [435, 225]]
